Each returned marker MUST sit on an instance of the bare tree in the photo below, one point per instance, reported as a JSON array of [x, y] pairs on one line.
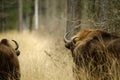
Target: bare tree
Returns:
[[97, 14], [36, 14], [32, 3], [73, 15], [20, 28]]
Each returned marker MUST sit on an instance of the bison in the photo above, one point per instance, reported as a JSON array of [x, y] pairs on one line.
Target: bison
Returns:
[[92, 48], [9, 64]]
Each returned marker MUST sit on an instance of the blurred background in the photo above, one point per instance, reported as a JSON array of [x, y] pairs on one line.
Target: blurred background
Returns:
[[32, 15], [39, 27], [61, 15]]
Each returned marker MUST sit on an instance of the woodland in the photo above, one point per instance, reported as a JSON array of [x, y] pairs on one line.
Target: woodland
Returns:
[[39, 27]]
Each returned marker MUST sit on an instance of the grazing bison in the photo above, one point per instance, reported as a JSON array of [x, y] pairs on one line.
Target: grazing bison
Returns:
[[93, 48], [9, 64]]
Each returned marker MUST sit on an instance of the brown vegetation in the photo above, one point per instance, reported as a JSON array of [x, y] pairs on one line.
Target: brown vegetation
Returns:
[[44, 57]]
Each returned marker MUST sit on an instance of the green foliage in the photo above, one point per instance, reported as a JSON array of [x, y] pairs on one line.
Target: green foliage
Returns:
[[26, 6], [9, 13], [9, 8]]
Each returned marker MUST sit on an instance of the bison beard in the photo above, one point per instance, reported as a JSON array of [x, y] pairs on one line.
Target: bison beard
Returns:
[[9, 64], [94, 48]]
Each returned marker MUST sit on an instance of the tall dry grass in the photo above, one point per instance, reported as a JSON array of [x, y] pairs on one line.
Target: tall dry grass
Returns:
[[44, 57]]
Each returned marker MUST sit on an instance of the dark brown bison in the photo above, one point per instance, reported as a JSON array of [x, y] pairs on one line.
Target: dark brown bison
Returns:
[[9, 64], [93, 48]]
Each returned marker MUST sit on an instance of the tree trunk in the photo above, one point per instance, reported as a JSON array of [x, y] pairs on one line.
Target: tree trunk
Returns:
[[2, 16], [32, 14], [107, 15], [20, 28], [101, 14], [93, 14], [73, 14], [36, 14]]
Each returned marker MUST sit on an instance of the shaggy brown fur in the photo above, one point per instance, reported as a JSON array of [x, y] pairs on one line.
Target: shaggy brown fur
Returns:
[[92, 41], [9, 64], [94, 48]]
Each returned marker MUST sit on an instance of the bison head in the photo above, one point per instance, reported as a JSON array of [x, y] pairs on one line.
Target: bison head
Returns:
[[85, 36], [80, 38], [70, 44], [9, 64]]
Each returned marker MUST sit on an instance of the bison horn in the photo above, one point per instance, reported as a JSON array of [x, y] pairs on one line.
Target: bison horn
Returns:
[[65, 38], [73, 40], [17, 46]]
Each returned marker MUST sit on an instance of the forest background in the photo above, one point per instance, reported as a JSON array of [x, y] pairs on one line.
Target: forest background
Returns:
[[39, 26]]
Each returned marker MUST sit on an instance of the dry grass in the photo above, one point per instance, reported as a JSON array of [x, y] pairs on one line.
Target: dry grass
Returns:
[[44, 57]]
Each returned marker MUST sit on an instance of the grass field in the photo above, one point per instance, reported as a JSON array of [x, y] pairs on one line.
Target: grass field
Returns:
[[44, 57]]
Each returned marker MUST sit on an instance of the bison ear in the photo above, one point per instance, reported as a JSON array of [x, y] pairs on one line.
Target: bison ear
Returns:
[[4, 41], [17, 52]]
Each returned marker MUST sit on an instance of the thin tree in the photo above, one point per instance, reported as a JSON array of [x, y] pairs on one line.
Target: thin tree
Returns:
[[73, 15], [95, 14], [36, 14], [32, 3], [20, 28]]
